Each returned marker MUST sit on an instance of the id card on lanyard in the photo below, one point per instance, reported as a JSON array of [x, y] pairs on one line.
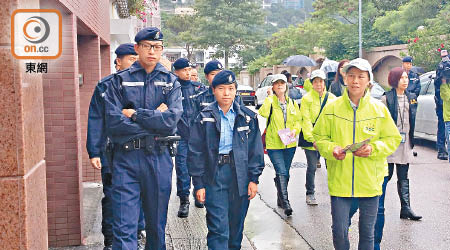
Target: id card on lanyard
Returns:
[[403, 134]]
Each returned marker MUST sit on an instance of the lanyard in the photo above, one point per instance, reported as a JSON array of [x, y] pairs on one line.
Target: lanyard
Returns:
[[403, 111]]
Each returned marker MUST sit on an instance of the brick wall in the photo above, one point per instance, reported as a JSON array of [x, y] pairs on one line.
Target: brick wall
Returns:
[[90, 66], [105, 58], [63, 142], [93, 13]]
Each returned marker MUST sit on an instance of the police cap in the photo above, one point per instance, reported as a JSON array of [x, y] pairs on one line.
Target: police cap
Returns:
[[212, 65], [150, 33], [407, 59], [125, 49], [181, 63], [224, 77]]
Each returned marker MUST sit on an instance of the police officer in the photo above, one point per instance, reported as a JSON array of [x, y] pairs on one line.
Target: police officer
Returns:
[[225, 160], [440, 143], [205, 98], [126, 56], [97, 145], [142, 103], [182, 69], [414, 81], [194, 73]]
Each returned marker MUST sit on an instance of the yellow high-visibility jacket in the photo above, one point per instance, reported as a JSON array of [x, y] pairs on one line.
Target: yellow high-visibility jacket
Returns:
[[340, 125], [309, 110], [293, 121]]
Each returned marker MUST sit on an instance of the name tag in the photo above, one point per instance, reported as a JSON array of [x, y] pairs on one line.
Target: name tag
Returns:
[[245, 128], [208, 119], [132, 84], [204, 104], [163, 84]]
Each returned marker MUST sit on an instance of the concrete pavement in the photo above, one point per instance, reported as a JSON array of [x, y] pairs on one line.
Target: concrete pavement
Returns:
[[309, 227]]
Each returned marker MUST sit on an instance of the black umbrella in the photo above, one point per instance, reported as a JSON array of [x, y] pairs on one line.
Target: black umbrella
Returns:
[[417, 70], [299, 61]]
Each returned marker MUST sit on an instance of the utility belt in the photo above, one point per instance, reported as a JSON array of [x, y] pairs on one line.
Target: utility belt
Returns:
[[224, 159], [152, 143]]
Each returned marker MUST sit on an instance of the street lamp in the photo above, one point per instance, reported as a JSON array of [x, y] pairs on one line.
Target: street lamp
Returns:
[[360, 28]]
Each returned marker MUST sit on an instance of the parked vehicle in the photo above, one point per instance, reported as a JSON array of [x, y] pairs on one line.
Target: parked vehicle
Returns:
[[426, 119], [247, 94]]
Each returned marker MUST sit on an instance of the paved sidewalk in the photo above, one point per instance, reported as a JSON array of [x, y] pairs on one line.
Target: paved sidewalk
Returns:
[[181, 234]]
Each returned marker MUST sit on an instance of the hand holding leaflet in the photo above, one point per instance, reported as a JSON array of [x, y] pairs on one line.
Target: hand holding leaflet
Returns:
[[286, 136], [355, 146]]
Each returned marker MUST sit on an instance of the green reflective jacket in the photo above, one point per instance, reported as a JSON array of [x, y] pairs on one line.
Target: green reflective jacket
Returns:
[[277, 123], [309, 110], [340, 125], [445, 96]]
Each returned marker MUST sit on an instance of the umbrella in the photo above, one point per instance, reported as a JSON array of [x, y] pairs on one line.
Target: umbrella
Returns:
[[417, 70], [299, 61], [329, 66]]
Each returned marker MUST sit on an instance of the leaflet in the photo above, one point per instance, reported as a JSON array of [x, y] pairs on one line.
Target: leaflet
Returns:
[[355, 146], [285, 136]]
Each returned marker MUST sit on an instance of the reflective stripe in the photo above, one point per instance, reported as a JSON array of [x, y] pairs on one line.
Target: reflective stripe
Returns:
[[205, 103], [132, 84], [163, 84], [242, 128], [207, 119]]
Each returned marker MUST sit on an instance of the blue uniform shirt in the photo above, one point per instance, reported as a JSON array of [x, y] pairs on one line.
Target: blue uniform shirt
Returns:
[[204, 144], [226, 130], [134, 89], [189, 90], [96, 130]]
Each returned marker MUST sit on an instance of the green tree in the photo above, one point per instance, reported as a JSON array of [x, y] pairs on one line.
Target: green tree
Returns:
[[425, 44], [182, 31], [408, 17], [282, 17], [229, 25]]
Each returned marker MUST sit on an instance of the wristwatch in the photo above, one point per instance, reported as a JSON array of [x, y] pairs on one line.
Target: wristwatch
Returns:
[[134, 117]]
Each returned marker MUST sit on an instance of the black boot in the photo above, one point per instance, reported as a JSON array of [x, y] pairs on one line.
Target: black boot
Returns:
[[183, 212], [277, 185], [403, 193], [283, 181], [142, 238], [108, 240]]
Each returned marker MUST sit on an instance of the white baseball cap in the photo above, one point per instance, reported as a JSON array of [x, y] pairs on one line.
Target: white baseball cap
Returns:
[[279, 77], [318, 73], [361, 64]]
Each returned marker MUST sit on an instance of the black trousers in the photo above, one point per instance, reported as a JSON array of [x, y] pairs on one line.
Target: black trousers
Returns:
[[402, 171]]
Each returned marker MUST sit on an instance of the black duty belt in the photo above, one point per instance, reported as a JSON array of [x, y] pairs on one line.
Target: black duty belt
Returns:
[[134, 144], [225, 159]]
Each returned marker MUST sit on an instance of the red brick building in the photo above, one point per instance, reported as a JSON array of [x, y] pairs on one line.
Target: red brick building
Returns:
[[43, 131]]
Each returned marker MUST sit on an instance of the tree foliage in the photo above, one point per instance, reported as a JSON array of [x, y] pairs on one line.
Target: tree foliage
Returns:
[[181, 31], [425, 44], [408, 17], [230, 25]]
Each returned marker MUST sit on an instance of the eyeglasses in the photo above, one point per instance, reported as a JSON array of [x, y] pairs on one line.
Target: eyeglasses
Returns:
[[148, 47]]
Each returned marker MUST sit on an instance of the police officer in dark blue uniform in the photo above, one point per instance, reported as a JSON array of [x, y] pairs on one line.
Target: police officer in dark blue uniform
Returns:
[[189, 89], [205, 98], [414, 81], [440, 142], [98, 147], [142, 103], [225, 160]]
